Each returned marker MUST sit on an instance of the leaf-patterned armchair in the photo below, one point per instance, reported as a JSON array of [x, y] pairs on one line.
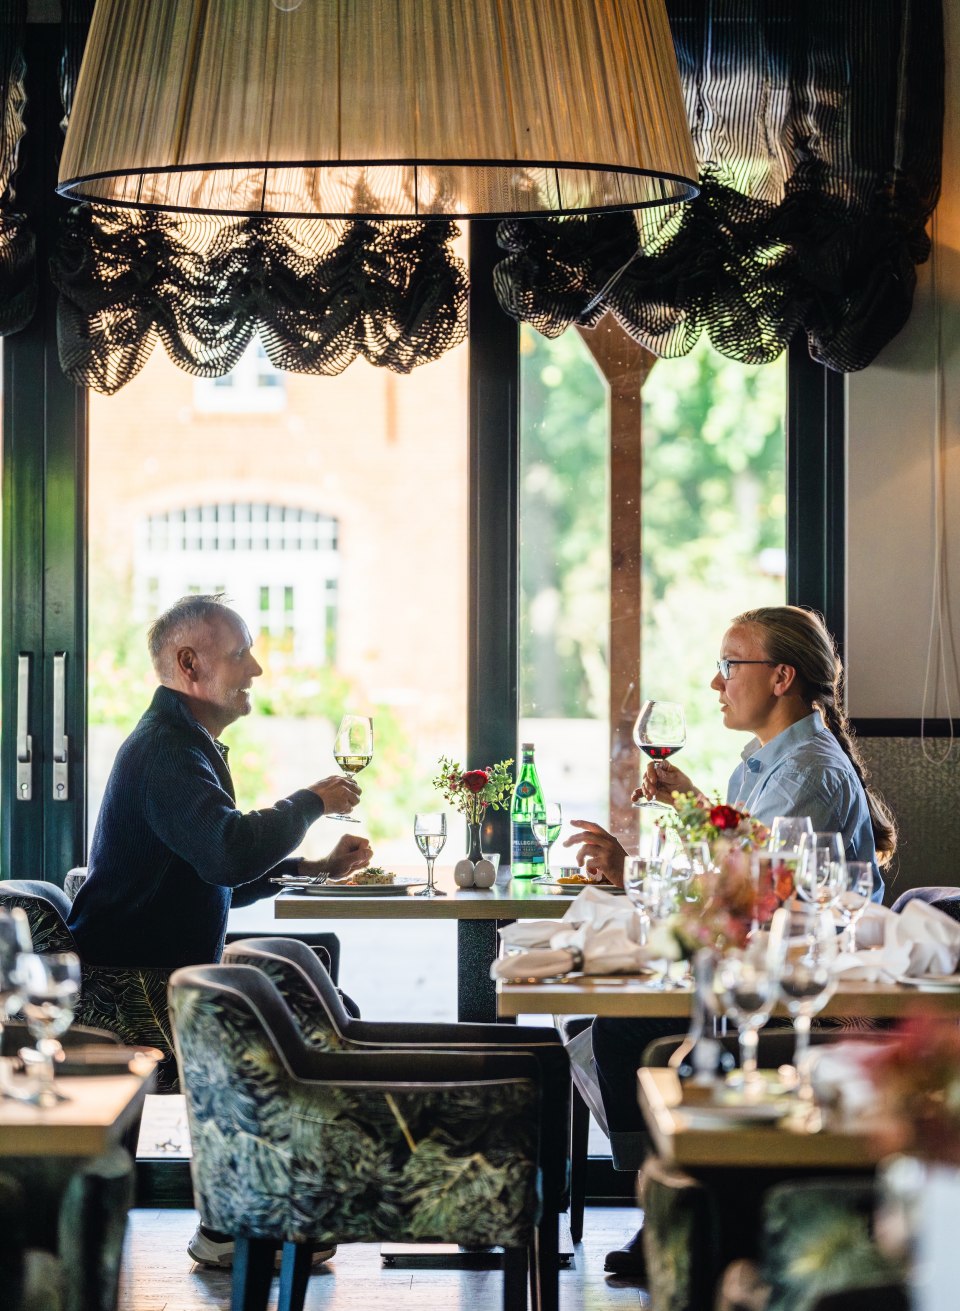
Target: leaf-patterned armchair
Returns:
[[325, 1025], [299, 1147], [127, 1000]]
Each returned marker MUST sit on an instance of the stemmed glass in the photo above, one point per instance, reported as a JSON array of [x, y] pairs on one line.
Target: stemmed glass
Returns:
[[353, 749], [47, 987], [545, 821], [430, 831], [860, 883], [786, 832], [638, 871], [808, 980], [822, 869], [659, 901], [660, 732], [745, 990]]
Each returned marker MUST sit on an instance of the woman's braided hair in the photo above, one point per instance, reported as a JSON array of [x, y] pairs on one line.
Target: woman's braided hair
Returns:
[[797, 637]]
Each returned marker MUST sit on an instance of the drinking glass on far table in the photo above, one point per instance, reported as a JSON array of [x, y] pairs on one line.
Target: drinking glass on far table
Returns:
[[638, 872], [430, 831], [545, 821], [822, 869], [660, 732], [47, 987], [353, 749], [856, 899]]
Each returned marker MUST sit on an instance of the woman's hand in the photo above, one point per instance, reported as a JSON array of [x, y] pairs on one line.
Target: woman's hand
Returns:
[[600, 854], [660, 781]]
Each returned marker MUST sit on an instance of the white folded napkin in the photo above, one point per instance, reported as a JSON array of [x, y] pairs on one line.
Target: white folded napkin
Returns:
[[607, 950], [589, 907], [920, 940], [528, 933], [840, 1071]]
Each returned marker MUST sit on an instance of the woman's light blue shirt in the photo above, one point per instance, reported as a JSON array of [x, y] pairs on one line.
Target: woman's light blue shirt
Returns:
[[805, 771]]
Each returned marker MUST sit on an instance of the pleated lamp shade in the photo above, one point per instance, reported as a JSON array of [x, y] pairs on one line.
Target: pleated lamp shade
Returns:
[[391, 108]]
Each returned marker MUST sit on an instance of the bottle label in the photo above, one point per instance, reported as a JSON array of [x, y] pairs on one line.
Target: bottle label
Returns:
[[524, 789], [526, 850]]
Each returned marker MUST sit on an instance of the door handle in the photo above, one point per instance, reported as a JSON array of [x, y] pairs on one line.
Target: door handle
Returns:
[[24, 739], [61, 743]]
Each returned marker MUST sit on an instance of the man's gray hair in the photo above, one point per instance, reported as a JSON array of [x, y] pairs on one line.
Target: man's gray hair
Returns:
[[171, 628]]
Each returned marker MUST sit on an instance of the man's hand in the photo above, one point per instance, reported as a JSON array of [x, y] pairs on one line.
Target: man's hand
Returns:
[[600, 853], [660, 781], [338, 793], [350, 853]]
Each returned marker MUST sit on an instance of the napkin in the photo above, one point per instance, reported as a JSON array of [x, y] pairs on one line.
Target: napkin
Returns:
[[528, 933], [607, 950], [589, 907], [920, 940], [840, 1072]]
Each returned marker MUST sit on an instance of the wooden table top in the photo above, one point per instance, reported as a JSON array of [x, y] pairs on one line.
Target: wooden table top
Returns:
[[625, 995], [508, 899], [99, 1110], [682, 1138]]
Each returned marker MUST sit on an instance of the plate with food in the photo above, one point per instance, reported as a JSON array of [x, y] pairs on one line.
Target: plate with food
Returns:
[[374, 881], [572, 879]]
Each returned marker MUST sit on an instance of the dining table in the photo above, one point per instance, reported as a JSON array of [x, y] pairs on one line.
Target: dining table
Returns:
[[478, 912], [625, 995]]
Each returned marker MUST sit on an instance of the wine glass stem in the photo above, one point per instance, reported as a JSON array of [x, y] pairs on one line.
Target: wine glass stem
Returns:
[[430, 876], [801, 1056], [749, 1039]]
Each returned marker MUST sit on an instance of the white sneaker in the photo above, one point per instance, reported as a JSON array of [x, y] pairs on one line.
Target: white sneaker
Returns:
[[217, 1253]]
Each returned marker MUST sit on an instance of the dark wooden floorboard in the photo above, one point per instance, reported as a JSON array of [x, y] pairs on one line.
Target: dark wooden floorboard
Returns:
[[159, 1276]]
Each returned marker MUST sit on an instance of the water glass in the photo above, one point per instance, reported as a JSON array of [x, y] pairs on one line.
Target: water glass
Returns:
[[786, 831], [637, 871], [47, 989], [545, 820], [808, 980], [822, 869], [858, 896], [430, 832], [745, 989]]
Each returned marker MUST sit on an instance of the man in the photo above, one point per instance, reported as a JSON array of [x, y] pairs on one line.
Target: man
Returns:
[[171, 852]]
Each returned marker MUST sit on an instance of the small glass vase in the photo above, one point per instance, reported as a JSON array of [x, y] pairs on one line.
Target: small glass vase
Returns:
[[475, 849]]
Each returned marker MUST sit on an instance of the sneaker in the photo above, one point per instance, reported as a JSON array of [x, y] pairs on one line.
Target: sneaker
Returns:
[[215, 1251]]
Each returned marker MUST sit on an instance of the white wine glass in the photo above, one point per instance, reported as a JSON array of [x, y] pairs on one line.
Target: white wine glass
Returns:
[[430, 832], [545, 820], [660, 732], [48, 986], [786, 831], [857, 898], [807, 980], [353, 750], [821, 869], [637, 871]]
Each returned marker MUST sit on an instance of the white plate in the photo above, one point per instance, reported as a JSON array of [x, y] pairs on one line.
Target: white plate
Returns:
[[545, 881], [709, 1117], [396, 889], [932, 982]]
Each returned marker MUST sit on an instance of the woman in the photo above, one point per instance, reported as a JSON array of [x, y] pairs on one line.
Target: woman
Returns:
[[778, 677]]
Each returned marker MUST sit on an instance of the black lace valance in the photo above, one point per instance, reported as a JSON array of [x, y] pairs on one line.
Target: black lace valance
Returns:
[[818, 131]]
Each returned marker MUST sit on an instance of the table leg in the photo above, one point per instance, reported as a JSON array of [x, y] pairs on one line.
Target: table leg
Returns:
[[477, 945]]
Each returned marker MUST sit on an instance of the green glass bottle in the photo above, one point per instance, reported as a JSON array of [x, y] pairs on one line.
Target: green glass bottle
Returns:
[[526, 853]]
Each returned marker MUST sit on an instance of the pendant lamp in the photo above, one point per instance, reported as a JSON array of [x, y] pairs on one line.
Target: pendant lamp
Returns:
[[388, 108]]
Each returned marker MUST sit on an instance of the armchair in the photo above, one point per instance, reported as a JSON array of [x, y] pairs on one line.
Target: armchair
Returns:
[[298, 1147], [325, 1025], [127, 1000]]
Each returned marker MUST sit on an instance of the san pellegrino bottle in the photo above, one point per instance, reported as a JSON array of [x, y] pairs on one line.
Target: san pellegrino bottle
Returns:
[[526, 855]]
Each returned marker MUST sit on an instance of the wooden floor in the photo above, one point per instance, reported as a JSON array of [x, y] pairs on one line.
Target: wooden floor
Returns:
[[159, 1276]]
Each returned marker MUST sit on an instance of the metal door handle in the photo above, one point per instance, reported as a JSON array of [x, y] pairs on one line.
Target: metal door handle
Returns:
[[24, 740], [61, 743]]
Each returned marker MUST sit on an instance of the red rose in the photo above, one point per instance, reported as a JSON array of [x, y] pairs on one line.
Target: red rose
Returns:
[[475, 780], [725, 817]]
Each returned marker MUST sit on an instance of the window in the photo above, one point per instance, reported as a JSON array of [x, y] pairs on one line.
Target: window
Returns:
[[253, 386]]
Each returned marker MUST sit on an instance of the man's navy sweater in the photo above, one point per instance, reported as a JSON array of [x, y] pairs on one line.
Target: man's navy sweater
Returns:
[[170, 847]]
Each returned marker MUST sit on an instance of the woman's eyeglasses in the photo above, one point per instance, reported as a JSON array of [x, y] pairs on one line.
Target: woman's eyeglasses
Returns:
[[725, 666]]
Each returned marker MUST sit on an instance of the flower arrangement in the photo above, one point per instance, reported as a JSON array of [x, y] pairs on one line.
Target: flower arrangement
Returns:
[[717, 910], [917, 1080], [698, 819], [471, 791]]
